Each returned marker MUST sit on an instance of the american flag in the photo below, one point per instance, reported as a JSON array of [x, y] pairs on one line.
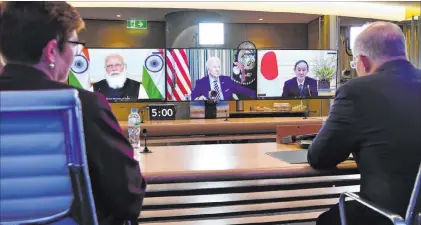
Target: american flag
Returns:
[[178, 75]]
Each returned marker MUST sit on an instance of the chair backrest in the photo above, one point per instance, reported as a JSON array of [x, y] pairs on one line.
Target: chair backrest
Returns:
[[414, 207], [43, 159]]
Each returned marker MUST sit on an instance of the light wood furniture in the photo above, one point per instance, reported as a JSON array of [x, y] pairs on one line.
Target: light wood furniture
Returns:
[[237, 184], [225, 161], [283, 219], [219, 126], [164, 141], [293, 130], [244, 202], [260, 114]]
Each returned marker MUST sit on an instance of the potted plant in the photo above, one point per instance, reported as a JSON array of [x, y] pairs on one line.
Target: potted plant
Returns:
[[325, 71]]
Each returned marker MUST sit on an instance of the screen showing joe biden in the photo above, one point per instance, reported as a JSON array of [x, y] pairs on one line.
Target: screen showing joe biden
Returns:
[[201, 74], [296, 74], [121, 75]]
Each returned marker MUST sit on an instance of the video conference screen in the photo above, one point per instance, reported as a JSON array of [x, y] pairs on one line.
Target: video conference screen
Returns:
[[296, 74], [192, 74], [121, 75]]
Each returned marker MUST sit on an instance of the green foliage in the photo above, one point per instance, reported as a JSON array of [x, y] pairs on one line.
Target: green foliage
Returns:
[[325, 69]]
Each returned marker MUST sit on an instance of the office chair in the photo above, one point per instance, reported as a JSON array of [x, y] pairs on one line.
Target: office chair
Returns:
[[44, 172], [411, 217]]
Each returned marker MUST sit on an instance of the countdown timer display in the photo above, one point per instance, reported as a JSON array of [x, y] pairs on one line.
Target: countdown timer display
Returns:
[[161, 112]]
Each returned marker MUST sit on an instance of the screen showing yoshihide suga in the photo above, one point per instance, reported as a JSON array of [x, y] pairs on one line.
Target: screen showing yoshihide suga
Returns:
[[121, 75], [296, 74], [192, 74]]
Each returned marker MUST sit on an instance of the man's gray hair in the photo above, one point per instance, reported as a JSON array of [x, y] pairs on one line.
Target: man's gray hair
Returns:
[[114, 55], [212, 59], [380, 40]]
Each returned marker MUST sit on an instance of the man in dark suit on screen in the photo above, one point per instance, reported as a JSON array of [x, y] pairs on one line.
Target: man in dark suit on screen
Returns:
[[301, 85], [222, 85], [116, 84], [377, 117]]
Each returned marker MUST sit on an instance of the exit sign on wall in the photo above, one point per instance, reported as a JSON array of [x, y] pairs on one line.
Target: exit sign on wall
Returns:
[[137, 24]]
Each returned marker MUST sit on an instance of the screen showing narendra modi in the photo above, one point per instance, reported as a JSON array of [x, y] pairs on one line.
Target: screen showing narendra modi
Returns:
[[121, 75]]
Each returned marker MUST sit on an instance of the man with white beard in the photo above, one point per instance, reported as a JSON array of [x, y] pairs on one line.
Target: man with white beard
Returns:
[[116, 84]]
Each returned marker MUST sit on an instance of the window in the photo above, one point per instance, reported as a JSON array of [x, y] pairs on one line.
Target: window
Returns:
[[211, 34]]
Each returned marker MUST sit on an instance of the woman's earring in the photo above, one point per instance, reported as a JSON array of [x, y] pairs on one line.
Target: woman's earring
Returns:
[[51, 65]]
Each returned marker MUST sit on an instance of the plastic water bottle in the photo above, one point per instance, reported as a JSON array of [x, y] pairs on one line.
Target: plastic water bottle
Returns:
[[134, 131]]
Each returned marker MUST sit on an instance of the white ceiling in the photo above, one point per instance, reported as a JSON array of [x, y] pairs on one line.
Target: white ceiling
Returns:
[[228, 16]]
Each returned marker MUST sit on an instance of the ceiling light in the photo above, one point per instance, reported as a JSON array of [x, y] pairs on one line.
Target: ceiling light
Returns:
[[260, 19], [119, 15]]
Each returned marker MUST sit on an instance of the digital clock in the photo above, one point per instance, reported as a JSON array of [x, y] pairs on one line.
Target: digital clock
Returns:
[[161, 112]]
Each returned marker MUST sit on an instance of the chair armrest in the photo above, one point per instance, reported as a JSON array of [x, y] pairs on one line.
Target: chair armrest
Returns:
[[395, 218]]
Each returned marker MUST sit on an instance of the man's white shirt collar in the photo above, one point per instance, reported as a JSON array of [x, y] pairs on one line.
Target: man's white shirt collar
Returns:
[[298, 82]]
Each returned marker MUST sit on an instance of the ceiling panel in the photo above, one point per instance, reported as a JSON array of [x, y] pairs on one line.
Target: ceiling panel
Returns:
[[228, 16]]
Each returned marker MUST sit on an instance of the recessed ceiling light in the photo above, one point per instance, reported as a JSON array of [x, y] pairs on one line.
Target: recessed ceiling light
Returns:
[[118, 15], [260, 19]]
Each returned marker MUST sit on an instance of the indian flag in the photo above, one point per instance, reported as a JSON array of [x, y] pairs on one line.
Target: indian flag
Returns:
[[79, 72], [153, 73]]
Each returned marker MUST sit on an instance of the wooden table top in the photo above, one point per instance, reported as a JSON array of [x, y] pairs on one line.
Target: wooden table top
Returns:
[[266, 112], [200, 122], [220, 126], [223, 160]]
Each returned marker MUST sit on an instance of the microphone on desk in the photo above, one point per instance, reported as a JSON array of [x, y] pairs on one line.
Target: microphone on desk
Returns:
[[141, 116], [308, 89], [295, 138], [146, 149], [212, 97], [226, 115]]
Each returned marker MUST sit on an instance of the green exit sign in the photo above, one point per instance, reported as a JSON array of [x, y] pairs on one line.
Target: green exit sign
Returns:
[[137, 24]]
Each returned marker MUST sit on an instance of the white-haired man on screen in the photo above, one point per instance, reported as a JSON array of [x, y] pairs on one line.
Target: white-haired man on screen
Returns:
[[377, 118], [116, 83], [222, 85]]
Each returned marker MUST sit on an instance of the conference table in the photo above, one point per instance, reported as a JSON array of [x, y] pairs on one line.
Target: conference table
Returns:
[[217, 162], [168, 131], [237, 184]]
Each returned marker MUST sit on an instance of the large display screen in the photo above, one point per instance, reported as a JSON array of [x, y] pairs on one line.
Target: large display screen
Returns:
[[293, 74], [121, 75], [193, 74]]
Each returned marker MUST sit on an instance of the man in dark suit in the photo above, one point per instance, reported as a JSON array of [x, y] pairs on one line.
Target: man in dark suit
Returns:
[[292, 88], [377, 117], [42, 62], [222, 85], [116, 84], [301, 85]]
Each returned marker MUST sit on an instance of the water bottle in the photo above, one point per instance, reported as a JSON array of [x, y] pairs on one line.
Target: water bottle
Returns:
[[134, 130]]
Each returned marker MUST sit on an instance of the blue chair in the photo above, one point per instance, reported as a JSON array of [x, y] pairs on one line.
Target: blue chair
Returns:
[[412, 217], [44, 172]]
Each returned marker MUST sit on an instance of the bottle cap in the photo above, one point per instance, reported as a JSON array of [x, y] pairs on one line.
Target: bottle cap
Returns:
[[133, 110]]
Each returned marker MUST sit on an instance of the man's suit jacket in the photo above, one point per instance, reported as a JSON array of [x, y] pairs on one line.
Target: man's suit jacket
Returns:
[[228, 88], [378, 119], [117, 185], [291, 88], [129, 90]]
